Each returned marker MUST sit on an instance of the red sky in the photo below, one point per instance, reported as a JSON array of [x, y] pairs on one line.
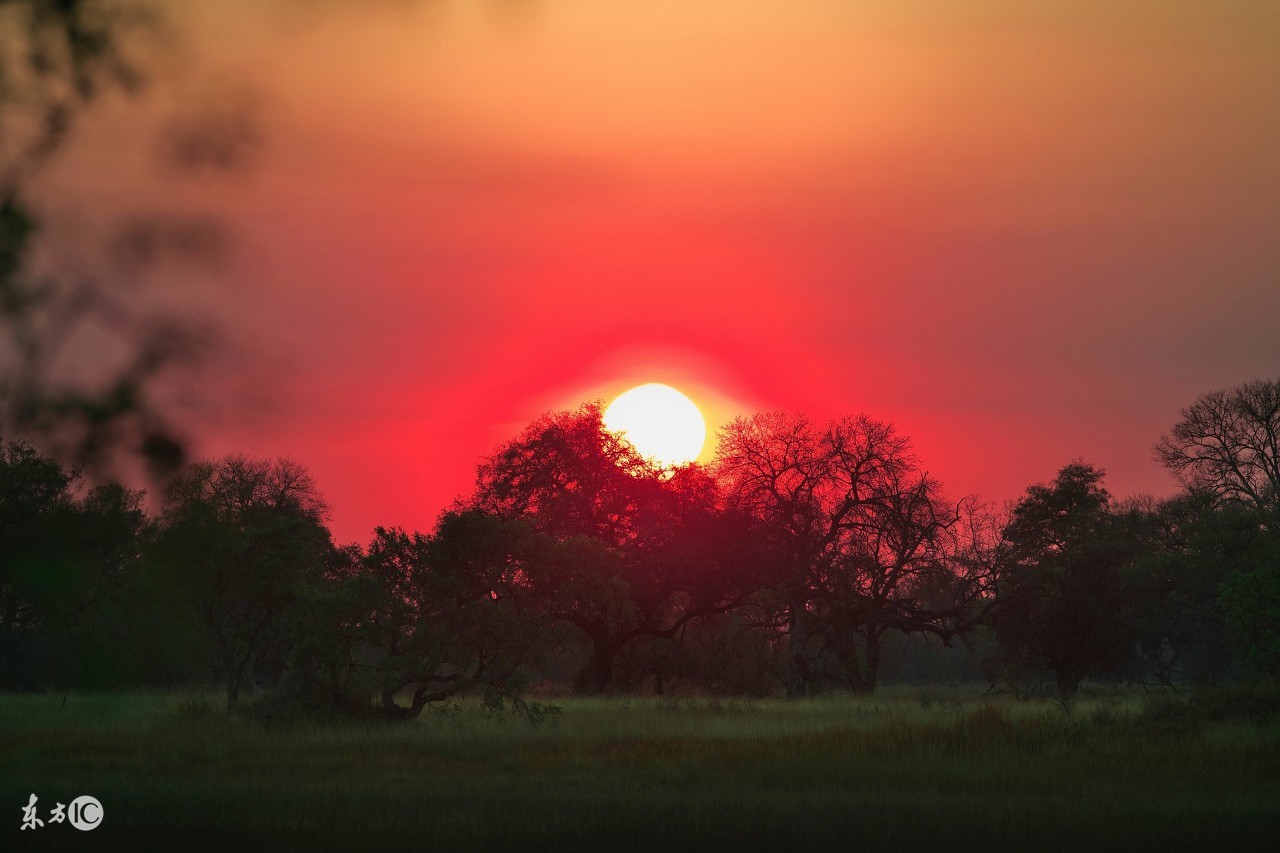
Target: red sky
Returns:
[[1022, 232]]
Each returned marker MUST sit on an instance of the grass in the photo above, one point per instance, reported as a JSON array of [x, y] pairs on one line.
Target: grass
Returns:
[[903, 770]]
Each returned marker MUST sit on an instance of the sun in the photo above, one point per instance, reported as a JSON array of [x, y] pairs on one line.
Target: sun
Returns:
[[660, 422]]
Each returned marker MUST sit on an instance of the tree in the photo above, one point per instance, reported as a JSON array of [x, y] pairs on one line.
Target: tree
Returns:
[[424, 616], [93, 616], [1190, 544], [644, 549], [1228, 444], [35, 506], [68, 570], [1226, 451], [1064, 602], [860, 536], [1250, 601], [238, 537]]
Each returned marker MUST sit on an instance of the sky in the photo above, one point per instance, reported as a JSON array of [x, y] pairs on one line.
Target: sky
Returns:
[[1024, 233]]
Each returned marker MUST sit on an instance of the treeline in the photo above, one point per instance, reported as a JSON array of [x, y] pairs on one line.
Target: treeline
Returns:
[[804, 559]]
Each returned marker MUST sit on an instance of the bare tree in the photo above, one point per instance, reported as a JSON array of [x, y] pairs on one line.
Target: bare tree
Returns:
[[866, 541], [1228, 444]]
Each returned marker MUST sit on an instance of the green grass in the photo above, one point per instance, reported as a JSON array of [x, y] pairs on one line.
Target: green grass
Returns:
[[903, 770]]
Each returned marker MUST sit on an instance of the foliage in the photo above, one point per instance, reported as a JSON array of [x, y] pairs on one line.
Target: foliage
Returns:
[[59, 58], [1191, 544], [237, 539], [1251, 603], [644, 551], [68, 565], [1065, 601], [35, 502], [427, 616], [1226, 450]]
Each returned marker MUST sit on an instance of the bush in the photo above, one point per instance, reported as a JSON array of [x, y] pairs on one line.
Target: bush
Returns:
[[1255, 703]]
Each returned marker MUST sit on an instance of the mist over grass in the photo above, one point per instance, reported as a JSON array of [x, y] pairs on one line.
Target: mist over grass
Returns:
[[907, 769]]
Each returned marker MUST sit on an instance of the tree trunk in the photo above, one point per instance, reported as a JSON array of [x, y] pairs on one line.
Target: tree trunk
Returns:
[[233, 674], [873, 658], [233, 690], [250, 679], [392, 711], [421, 699], [802, 675], [865, 682], [597, 678], [1068, 681]]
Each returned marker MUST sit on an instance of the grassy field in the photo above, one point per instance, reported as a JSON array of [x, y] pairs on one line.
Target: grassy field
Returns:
[[903, 770]]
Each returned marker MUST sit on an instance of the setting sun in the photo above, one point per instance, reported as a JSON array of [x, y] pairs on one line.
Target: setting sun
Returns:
[[660, 422]]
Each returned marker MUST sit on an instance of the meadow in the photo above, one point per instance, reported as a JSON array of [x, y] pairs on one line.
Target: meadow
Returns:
[[905, 769]]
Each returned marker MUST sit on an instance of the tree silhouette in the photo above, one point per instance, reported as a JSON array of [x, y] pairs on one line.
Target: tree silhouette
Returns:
[[35, 508], [861, 533], [1228, 444], [424, 616], [641, 556], [1227, 447], [1250, 602], [238, 537], [69, 559], [1190, 545], [1065, 604]]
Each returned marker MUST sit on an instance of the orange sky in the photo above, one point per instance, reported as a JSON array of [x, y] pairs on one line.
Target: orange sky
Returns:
[[1024, 233]]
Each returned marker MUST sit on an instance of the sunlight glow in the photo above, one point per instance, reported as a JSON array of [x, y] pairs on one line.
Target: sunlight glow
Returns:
[[660, 422]]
